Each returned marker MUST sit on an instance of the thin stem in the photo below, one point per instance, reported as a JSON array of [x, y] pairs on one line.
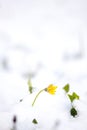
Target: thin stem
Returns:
[[30, 86], [37, 96]]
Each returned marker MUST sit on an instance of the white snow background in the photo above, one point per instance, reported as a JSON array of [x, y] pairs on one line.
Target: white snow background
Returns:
[[48, 40]]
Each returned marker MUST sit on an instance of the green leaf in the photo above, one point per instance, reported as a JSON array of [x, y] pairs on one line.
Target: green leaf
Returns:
[[34, 121], [73, 112], [66, 88], [73, 96]]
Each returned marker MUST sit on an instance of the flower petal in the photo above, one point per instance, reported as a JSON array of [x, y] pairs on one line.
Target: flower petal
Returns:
[[51, 89]]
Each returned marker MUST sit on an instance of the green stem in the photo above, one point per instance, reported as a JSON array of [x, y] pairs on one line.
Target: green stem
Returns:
[[37, 96], [30, 86]]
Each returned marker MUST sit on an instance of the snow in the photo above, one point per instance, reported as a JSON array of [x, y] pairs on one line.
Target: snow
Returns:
[[47, 41]]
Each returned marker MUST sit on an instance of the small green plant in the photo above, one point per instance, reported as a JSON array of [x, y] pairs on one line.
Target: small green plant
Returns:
[[72, 97], [30, 87]]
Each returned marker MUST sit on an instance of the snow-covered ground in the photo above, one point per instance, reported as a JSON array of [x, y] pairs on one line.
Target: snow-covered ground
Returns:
[[45, 39]]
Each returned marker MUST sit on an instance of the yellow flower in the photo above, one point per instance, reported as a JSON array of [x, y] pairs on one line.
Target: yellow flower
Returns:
[[51, 89]]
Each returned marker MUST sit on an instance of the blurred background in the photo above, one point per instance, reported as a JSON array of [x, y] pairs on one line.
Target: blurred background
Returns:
[[50, 32], [44, 39]]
